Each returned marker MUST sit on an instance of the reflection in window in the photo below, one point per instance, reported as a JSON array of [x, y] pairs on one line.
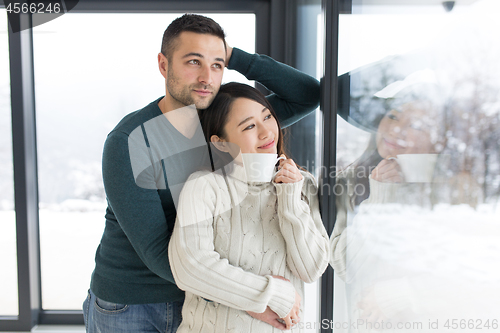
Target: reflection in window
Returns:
[[87, 78], [8, 255], [418, 219]]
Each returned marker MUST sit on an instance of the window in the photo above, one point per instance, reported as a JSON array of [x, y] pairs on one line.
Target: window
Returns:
[[8, 258], [71, 128], [426, 93], [88, 76]]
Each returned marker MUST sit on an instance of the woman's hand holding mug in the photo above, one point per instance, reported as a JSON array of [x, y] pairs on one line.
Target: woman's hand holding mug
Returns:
[[388, 170], [288, 172]]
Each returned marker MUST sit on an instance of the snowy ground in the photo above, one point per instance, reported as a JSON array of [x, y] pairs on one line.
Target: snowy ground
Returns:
[[69, 239], [417, 264]]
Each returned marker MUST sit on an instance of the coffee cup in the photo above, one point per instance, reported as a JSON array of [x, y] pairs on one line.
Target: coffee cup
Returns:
[[260, 167], [417, 168]]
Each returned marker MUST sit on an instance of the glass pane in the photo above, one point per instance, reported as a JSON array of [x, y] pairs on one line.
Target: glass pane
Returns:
[[8, 255], [303, 144], [420, 157], [87, 78]]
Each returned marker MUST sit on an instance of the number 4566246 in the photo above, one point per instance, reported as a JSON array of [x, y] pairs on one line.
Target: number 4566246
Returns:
[[33, 8], [471, 324]]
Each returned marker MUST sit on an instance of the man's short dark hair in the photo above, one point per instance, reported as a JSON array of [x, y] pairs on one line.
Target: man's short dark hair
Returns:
[[193, 23]]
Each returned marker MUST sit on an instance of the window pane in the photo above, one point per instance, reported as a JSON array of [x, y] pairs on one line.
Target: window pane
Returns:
[[420, 154], [88, 76], [302, 137], [8, 254]]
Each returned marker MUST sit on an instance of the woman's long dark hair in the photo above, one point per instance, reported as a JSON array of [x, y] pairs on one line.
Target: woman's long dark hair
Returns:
[[214, 118], [364, 165]]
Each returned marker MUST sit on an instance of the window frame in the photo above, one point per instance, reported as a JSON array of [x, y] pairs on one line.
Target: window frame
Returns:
[[329, 100]]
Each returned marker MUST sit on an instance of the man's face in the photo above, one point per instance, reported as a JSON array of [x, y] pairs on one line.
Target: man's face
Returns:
[[195, 70]]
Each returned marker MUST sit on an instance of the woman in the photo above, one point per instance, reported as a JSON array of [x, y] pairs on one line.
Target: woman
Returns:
[[411, 126], [375, 189], [238, 247]]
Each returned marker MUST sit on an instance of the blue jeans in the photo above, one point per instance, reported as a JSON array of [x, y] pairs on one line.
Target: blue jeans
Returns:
[[106, 317]]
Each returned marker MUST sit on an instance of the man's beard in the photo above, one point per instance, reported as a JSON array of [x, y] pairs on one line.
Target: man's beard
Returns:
[[183, 94]]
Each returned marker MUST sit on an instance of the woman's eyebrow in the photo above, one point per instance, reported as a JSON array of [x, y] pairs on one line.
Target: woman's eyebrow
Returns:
[[244, 121], [247, 119]]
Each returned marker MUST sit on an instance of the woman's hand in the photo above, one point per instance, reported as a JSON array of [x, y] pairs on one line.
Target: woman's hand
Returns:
[[288, 172], [270, 317], [388, 171], [293, 316]]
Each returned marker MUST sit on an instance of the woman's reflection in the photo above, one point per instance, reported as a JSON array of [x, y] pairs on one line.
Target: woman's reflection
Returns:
[[366, 250]]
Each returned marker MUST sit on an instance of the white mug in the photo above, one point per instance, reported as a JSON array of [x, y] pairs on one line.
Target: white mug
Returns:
[[417, 168], [259, 167]]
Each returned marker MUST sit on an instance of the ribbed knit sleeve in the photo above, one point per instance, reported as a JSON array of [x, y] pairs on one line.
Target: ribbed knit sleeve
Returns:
[[199, 269], [338, 238], [300, 221], [295, 94], [344, 237]]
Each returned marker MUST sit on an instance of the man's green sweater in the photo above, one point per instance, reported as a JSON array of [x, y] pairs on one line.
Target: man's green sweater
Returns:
[[132, 261]]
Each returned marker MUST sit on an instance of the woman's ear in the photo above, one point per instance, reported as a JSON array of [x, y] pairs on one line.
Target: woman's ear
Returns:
[[219, 143]]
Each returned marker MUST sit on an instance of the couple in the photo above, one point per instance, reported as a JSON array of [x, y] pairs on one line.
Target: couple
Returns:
[[243, 269]]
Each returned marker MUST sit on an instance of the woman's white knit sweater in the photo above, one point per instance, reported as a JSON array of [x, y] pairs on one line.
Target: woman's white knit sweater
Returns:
[[232, 236]]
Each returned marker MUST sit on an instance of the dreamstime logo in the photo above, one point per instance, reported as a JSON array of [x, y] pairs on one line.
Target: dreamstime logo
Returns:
[[19, 12]]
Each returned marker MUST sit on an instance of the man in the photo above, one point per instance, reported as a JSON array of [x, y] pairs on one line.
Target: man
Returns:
[[146, 159]]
